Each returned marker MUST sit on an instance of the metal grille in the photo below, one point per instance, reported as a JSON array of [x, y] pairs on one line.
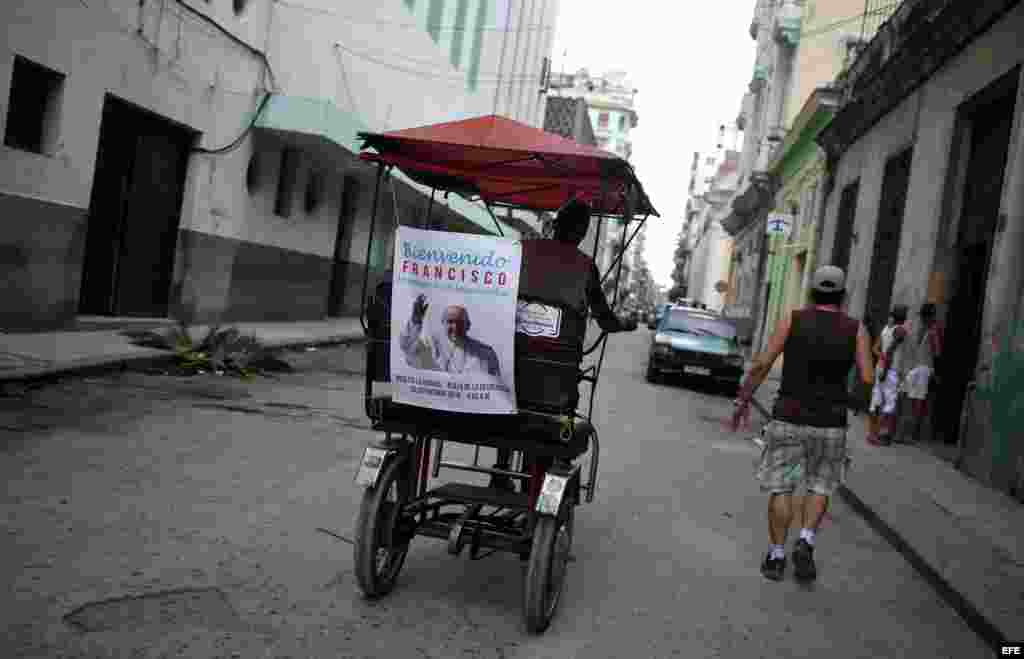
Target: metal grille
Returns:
[[696, 358]]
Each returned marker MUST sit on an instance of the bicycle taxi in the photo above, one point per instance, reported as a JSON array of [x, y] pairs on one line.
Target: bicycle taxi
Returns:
[[502, 164]]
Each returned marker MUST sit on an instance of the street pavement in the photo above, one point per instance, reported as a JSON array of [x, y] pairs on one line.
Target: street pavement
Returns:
[[153, 516]]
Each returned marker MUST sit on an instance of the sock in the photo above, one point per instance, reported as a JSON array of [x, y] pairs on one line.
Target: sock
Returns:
[[807, 535], [777, 551]]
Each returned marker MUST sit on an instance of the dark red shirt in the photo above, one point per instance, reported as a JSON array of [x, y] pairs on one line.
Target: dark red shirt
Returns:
[[559, 273]]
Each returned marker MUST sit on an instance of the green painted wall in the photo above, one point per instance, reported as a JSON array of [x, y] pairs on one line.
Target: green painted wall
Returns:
[[799, 154], [778, 261], [478, 44], [465, 22], [434, 15], [804, 147], [1004, 394], [459, 35]]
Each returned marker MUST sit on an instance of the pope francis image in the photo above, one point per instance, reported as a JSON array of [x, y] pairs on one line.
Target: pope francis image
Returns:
[[452, 352]]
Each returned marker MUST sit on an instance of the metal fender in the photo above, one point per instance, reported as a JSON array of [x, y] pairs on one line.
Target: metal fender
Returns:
[[552, 492], [371, 464]]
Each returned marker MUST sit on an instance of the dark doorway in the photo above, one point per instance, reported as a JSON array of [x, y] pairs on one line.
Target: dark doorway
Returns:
[[342, 244], [885, 256], [989, 122], [844, 226], [134, 213]]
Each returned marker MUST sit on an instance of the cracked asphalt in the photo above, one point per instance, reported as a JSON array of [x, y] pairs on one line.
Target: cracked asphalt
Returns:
[[156, 516]]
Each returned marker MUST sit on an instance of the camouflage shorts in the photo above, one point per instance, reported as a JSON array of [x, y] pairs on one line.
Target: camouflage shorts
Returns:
[[793, 455]]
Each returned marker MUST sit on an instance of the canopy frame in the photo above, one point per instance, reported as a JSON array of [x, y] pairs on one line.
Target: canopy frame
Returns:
[[609, 179]]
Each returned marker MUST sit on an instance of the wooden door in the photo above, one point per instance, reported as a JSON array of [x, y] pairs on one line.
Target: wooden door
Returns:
[[990, 128], [884, 258]]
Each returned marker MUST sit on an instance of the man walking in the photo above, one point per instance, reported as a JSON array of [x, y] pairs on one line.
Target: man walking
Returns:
[[888, 377], [805, 441]]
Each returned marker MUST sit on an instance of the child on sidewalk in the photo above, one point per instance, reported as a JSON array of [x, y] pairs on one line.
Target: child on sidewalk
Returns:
[[888, 377], [921, 362]]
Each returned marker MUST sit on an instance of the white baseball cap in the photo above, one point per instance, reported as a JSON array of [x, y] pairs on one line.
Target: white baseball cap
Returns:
[[828, 279]]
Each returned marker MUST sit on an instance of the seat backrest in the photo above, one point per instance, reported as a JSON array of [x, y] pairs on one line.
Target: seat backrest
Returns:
[[378, 322], [549, 348]]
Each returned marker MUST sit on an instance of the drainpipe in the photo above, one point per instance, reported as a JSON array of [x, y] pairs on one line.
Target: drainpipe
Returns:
[[762, 293], [762, 264]]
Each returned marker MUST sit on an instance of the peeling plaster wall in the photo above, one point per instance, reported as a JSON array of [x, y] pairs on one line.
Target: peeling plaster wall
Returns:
[[926, 120]]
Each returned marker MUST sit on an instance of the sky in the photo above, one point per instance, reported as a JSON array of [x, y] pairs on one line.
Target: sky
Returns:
[[691, 62]]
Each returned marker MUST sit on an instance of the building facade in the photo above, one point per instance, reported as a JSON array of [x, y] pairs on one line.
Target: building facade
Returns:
[[793, 227], [570, 118], [800, 47], [926, 162], [610, 100], [711, 246], [196, 158]]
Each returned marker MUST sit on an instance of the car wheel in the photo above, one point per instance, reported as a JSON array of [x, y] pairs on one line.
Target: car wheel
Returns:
[[652, 374]]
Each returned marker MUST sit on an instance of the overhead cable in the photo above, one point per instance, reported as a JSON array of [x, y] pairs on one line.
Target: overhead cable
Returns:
[[432, 74], [411, 26], [235, 143]]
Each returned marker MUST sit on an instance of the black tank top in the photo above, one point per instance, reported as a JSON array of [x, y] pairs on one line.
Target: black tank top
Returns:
[[819, 353]]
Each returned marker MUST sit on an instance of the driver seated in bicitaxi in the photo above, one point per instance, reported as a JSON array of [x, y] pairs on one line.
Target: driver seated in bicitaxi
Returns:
[[557, 272]]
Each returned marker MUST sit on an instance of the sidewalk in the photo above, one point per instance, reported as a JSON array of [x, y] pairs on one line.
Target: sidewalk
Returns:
[[27, 356], [965, 539]]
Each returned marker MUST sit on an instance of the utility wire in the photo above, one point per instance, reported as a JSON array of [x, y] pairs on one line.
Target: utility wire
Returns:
[[431, 74], [234, 144], [379, 55], [835, 25], [410, 26], [259, 54], [235, 39], [429, 62], [348, 90]]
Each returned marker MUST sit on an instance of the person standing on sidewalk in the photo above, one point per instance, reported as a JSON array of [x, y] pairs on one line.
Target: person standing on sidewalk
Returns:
[[805, 441], [888, 377], [921, 362]]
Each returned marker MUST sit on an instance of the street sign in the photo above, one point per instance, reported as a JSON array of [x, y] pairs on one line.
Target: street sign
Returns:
[[779, 223]]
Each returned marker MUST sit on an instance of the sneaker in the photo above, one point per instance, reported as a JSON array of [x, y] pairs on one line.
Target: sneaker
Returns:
[[803, 561], [773, 568]]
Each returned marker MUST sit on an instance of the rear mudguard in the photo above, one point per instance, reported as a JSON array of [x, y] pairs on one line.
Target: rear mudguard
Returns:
[[375, 456], [559, 491]]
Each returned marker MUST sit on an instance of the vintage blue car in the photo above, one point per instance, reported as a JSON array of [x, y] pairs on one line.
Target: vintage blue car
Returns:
[[696, 344]]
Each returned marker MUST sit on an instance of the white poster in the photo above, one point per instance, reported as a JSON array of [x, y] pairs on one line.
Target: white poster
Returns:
[[453, 318]]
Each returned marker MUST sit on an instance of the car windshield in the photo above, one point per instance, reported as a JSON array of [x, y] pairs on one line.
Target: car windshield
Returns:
[[687, 323]]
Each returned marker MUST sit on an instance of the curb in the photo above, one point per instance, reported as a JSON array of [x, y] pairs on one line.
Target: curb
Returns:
[[975, 619], [122, 363], [325, 342], [55, 371]]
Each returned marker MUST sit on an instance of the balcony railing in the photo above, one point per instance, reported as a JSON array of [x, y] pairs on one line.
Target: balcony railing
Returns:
[[918, 38]]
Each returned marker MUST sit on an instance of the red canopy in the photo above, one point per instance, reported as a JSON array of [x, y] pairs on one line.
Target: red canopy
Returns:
[[506, 162]]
